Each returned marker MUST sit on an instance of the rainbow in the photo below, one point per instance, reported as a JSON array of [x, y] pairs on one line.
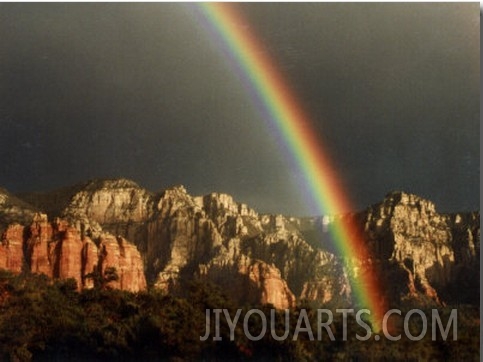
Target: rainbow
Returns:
[[295, 128]]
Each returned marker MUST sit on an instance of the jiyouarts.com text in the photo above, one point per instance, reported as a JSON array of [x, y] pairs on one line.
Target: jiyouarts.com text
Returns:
[[322, 323]]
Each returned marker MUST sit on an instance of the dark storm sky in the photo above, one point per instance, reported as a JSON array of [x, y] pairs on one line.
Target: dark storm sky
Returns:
[[142, 91]]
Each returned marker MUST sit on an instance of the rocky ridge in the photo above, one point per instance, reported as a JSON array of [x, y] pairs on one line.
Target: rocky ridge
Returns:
[[271, 258]]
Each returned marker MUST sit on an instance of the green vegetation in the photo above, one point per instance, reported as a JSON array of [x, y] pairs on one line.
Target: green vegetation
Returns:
[[42, 319]]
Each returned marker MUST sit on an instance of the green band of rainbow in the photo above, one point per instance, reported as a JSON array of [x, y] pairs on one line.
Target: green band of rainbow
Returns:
[[296, 130]]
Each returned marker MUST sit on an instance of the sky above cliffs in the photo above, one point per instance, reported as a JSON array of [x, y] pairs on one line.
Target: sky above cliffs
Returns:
[[142, 91]]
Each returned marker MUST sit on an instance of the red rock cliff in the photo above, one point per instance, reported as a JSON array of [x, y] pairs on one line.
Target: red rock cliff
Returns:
[[57, 250]]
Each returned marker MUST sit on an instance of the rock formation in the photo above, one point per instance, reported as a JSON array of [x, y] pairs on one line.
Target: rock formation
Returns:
[[120, 254], [57, 250], [11, 248], [407, 231], [14, 210], [176, 237]]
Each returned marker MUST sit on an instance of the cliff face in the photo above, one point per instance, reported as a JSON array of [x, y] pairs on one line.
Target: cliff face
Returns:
[[423, 247], [57, 250], [118, 253], [11, 248], [256, 258]]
